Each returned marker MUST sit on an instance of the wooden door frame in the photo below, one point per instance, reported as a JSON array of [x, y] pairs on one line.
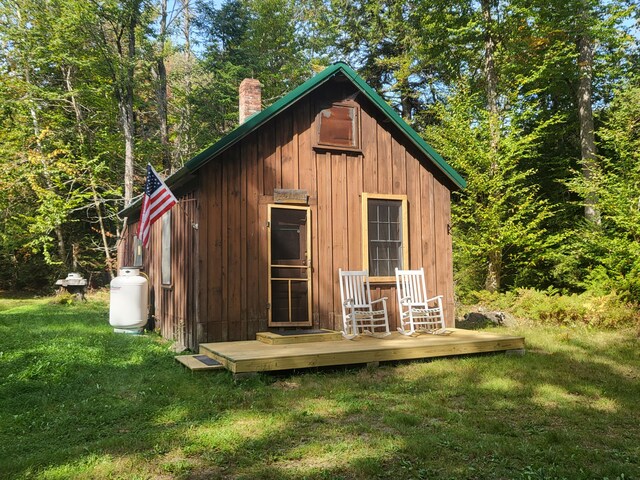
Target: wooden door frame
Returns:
[[307, 323]]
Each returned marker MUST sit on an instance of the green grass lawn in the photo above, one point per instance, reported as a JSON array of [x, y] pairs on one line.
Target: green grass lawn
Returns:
[[78, 401]]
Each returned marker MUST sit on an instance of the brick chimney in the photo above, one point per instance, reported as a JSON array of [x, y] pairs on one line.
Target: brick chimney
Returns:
[[250, 98]]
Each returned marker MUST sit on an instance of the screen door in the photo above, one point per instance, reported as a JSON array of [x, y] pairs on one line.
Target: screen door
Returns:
[[289, 266]]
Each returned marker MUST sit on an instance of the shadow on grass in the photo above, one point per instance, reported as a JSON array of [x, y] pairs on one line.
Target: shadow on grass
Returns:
[[76, 396]]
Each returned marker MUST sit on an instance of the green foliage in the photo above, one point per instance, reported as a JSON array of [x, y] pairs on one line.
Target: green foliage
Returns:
[[65, 67], [606, 256], [258, 39], [500, 217], [552, 308]]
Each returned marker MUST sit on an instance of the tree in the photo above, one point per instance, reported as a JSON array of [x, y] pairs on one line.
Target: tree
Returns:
[[499, 218], [610, 253], [60, 142], [258, 39], [112, 25]]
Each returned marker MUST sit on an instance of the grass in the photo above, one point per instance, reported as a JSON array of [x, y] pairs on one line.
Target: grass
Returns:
[[78, 401]]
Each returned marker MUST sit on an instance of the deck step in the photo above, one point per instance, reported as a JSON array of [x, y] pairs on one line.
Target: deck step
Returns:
[[199, 362], [298, 336]]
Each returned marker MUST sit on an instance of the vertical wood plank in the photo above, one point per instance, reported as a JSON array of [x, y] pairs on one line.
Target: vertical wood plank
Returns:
[[325, 250], [398, 168], [192, 310], [415, 212], [199, 261], [339, 226], [369, 152], [234, 247], [277, 135], [443, 244], [389, 291], [268, 154], [285, 141], [263, 269], [252, 281], [385, 170], [205, 248], [354, 182], [316, 274], [450, 315], [304, 126], [306, 165], [243, 278], [214, 246], [428, 230], [225, 204], [295, 147], [184, 253]]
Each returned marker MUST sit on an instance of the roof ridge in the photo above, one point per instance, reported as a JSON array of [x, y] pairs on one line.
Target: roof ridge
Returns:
[[259, 118]]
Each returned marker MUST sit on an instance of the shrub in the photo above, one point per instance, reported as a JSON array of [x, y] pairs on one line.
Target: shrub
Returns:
[[550, 307]]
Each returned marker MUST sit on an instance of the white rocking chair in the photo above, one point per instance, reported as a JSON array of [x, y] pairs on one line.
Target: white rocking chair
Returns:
[[358, 315], [417, 312]]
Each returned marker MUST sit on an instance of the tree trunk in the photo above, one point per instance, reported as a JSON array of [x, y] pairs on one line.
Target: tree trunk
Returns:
[[407, 106], [183, 146], [494, 265], [103, 232], [494, 271], [491, 77], [585, 114], [161, 89], [125, 101]]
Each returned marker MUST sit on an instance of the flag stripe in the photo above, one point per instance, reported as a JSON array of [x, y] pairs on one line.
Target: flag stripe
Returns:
[[157, 200]]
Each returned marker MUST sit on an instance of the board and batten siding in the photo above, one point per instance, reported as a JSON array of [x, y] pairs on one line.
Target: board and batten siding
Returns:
[[235, 188], [174, 305]]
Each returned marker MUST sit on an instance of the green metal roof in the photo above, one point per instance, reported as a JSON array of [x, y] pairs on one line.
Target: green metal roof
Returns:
[[292, 97]]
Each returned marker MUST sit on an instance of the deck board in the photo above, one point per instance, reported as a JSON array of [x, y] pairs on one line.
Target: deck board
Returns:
[[256, 356], [196, 363]]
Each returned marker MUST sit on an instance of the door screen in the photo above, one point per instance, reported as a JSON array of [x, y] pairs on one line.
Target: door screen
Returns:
[[289, 266]]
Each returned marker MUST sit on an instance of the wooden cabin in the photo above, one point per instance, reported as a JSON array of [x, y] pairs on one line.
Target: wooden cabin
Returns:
[[327, 177]]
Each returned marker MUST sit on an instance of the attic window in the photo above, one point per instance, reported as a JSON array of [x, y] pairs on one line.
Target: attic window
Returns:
[[339, 127]]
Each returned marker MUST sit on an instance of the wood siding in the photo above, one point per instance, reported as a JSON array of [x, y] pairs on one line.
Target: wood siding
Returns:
[[175, 305], [220, 270], [236, 188]]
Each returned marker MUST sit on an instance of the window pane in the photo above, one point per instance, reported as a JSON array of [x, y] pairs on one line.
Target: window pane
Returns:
[[394, 231], [384, 212], [137, 252], [385, 236], [384, 232], [166, 249]]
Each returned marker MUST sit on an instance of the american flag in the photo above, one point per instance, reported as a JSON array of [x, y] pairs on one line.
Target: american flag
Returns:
[[157, 200]]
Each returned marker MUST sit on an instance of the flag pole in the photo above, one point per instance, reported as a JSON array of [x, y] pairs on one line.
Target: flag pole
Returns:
[[186, 214]]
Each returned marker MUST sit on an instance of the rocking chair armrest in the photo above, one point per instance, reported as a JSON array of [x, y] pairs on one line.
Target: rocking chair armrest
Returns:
[[349, 302], [434, 298], [383, 299], [405, 300], [417, 304]]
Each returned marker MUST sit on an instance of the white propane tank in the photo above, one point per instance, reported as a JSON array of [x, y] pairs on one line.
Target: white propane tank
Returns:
[[128, 302]]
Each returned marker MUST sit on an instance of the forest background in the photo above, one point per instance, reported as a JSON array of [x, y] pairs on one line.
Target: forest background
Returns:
[[536, 103]]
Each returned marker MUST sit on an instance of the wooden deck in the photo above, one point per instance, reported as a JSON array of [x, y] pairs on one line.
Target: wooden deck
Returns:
[[257, 356]]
